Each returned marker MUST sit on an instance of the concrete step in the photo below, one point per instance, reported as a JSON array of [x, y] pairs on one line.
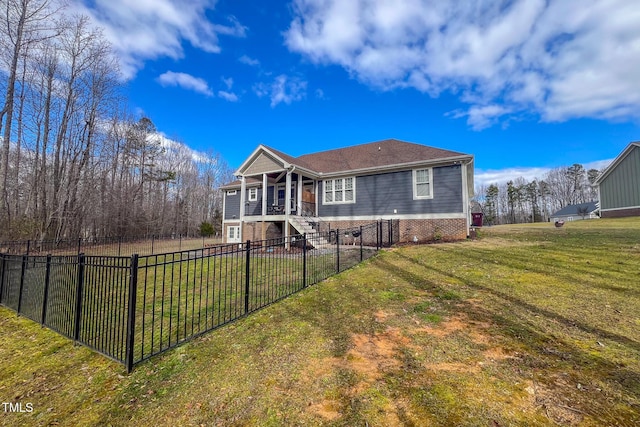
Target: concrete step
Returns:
[[303, 227]]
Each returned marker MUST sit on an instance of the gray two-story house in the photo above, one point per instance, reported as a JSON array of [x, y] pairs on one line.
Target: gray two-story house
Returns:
[[426, 189]]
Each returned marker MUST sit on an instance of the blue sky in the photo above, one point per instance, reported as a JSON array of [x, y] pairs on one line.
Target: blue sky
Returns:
[[522, 85]]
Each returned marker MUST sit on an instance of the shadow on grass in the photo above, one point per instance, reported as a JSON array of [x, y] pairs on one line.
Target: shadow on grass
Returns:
[[607, 371], [522, 261]]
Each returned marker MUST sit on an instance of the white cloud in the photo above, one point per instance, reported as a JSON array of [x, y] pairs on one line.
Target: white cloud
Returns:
[[560, 60], [501, 176], [228, 82], [229, 96], [185, 81], [175, 150], [249, 61], [147, 29], [480, 117], [283, 89]]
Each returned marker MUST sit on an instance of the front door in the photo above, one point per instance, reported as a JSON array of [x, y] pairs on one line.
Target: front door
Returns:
[[233, 234], [308, 199], [281, 192]]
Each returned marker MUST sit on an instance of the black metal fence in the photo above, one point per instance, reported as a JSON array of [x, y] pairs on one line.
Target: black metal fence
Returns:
[[132, 308], [115, 246]]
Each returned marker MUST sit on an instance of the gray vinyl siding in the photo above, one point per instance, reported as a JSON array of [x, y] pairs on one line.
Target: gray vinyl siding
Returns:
[[269, 196], [382, 193], [232, 205], [621, 188], [254, 208]]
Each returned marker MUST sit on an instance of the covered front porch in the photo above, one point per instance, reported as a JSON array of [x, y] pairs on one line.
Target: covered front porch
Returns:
[[272, 190], [278, 196]]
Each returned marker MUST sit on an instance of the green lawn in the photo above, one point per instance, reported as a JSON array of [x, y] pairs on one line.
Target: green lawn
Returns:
[[528, 325]]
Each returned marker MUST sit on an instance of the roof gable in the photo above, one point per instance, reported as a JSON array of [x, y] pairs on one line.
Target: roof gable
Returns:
[[263, 163], [632, 146]]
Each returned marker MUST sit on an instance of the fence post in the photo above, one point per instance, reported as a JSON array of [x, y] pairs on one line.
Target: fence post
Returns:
[[337, 250], [304, 260], [361, 255], [131, 312], [247, 271], [45, 294], [2, 278], [153, 239], [22, 272], [79, 245], [78, 314], [28, 246]]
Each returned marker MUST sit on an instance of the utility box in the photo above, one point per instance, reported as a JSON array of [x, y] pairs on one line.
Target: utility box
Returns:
[[476, 219]]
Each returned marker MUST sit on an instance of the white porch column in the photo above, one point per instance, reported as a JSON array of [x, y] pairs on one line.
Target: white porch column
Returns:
[[243, 190], [316, 187], [264, 205], [299, 207], [264, 194], [287, 208]]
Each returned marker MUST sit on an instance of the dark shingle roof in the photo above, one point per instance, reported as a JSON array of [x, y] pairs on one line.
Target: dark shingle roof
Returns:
[[575, 209], [251, 182], [377, 154]]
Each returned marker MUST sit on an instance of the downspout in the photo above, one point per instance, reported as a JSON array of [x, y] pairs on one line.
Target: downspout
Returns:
[[287, 204], [243, 190], [224, 216], [465, 194]]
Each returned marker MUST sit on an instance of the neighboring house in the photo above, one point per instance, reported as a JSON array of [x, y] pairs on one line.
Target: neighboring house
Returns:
[[577, 212], [427, 189], [619, 184]]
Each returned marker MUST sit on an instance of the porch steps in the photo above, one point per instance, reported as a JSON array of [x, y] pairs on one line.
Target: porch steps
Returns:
[[303, 226]]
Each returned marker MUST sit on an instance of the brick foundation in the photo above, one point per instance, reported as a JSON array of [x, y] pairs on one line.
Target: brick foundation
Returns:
[[428, 230], [424, 230], [620, 213], [253, 231], [410, 230]]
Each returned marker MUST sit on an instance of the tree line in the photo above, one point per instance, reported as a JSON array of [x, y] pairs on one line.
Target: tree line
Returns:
[[74, 162], [519, 200]]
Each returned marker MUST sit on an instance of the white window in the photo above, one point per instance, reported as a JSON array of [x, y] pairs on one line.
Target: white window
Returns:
[[233, 234], [232, 192], [340, 190], [253, 194], [423, 183]]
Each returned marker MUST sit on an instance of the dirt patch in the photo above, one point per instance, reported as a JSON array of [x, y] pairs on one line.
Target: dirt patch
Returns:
[[370, 357], [443, 329], [327, 409], [454, 367], [381, 316], [496, 354], [374, 354]]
